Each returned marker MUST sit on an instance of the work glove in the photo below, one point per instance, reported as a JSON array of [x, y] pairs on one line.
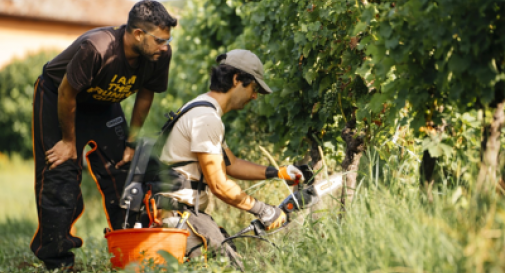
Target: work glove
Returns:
[[271, 217], [308, 174], [291, 173]]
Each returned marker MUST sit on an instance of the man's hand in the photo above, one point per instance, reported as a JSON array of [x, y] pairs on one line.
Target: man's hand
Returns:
[[271, 217], [143, 101], [64, 149], [127, 157], [278, 216], [292, 174], [60, 153]]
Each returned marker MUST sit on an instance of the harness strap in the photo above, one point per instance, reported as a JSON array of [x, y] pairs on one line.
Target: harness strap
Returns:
[[204, 240], [188, 252], [172, 119], [225, 158], [180, 164], [199, 189], [165, 131], [151, 175]]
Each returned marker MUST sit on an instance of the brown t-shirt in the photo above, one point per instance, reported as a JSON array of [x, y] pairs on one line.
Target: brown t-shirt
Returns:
[[96, 66]]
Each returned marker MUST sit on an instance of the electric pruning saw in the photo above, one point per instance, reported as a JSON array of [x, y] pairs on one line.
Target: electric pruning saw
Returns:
[[302, 199]]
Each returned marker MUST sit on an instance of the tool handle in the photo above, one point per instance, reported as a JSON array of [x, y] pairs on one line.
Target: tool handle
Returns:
[[297, 180], [155, 212], [183, 219], [146, 204], [246, 230]]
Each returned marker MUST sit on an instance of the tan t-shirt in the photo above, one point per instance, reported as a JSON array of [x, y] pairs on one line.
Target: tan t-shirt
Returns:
[[200, 130]]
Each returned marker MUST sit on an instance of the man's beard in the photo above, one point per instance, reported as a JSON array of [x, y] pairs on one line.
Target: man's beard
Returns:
[[140, 49]]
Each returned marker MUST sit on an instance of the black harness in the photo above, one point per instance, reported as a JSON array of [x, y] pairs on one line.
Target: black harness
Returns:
[[148, 172]]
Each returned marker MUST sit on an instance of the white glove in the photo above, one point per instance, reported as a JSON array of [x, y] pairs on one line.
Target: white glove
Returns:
[[291, 174]]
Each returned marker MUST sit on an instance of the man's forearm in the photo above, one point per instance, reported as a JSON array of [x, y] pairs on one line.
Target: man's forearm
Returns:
[[242, 169], [245, 170], [141, 108], [66, 110], [227, 190], [231, 193]]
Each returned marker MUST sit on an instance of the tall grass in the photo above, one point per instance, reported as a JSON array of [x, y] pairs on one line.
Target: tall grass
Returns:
[[390, 227]]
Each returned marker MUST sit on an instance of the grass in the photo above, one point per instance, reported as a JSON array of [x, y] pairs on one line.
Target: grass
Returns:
[[390, 227], [18, 196], [18, 221]]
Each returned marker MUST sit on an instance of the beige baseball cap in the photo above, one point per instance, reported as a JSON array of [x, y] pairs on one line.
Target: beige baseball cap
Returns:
[[248, 62]]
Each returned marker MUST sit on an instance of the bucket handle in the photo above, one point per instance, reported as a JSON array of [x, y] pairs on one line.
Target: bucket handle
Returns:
[[150, 203]]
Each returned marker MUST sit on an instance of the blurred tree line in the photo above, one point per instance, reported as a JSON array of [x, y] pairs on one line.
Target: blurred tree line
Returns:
[[17, 81]]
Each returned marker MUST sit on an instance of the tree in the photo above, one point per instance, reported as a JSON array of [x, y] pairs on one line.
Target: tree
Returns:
[[438, 58], [17, 81], [310, 57]]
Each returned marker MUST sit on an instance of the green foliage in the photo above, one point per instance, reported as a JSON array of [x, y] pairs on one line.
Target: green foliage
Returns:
[[310, 60], [436, 57], [206, 30], [408, 64], [16, 94]]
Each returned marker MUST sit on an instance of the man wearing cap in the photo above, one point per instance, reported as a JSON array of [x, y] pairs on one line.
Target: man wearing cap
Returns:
[[197, 141]]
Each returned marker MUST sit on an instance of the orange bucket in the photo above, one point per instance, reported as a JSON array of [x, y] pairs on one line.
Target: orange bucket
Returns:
[[134, 245]]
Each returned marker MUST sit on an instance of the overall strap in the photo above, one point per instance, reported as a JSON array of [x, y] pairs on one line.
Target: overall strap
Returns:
[[225, 156], [198, 191], [172, 119], [180, 164]]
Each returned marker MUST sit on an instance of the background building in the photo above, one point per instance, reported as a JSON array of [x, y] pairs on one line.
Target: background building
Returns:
[[32, 25]]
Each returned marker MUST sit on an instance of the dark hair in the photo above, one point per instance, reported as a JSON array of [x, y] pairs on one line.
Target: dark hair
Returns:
[[149, 14], [221, 78]]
